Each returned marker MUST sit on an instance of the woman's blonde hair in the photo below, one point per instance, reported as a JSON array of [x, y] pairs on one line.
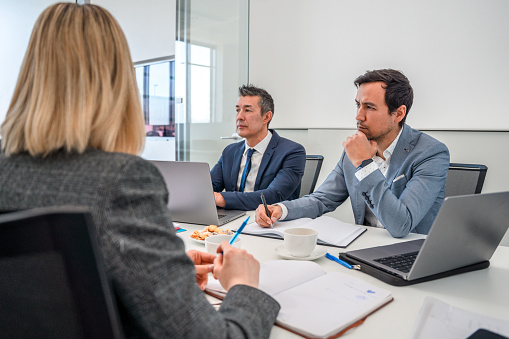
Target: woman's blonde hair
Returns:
[[76, 87]]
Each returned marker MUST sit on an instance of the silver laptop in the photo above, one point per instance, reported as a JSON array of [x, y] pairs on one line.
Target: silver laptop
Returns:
[[191, 194], [466, 232]]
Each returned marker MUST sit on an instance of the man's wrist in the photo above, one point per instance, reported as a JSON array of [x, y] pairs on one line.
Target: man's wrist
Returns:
[[364, 163], [284, 210], [363, 172], [220, 202]]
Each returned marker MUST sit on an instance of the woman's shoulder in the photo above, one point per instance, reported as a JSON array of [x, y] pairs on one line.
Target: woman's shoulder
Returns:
[[103, 157], [117, 163]]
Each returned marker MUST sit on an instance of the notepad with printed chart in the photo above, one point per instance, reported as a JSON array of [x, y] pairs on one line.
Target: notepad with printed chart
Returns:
[[331, 231], [314, 303]]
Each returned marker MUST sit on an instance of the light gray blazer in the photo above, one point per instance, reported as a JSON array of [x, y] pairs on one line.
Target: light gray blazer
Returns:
[[153, 278], [409, 204]]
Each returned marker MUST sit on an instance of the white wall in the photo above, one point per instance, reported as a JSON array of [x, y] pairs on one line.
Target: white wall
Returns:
[[17, 18], [455, 52], [149, 26], [307, 54]]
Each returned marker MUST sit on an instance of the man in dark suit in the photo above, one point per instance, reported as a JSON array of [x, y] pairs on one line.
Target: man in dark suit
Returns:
[[263, 163]]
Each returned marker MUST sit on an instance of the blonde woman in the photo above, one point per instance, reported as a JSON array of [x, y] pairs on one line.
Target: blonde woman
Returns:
[[71, 136]]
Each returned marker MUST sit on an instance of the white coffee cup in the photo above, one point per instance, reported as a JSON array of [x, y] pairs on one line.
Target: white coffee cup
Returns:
[[212, 242], [300, 242]]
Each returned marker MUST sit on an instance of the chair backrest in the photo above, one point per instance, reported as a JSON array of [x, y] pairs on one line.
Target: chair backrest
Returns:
[[52, 282], [311, 172], [465, 179]]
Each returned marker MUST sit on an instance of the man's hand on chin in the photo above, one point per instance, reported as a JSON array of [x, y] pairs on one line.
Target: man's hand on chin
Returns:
[[219, 200], [359, 148]]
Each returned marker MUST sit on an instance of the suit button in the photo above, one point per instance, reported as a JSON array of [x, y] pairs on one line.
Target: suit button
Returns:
[[371, 205], [364, 194]]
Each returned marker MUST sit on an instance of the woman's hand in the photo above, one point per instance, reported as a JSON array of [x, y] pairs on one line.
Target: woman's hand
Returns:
[[203, 263]]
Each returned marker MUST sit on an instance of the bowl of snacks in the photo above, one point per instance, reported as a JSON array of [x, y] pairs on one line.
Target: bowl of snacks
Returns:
[[208, 231]]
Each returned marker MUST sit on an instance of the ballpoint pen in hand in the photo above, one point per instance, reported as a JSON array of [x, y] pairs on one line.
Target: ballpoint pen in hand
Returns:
[[267, 209], [232, 240], [341, 262]]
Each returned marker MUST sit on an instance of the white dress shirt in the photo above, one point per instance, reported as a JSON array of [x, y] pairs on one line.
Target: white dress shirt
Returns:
[[256, 160], [383, 165]]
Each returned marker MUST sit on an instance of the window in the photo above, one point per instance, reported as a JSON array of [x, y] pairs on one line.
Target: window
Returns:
[[201, 67], [199, 61], [156, 85]]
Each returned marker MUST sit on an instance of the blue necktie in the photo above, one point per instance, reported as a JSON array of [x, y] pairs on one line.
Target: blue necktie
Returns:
[[247, 168]]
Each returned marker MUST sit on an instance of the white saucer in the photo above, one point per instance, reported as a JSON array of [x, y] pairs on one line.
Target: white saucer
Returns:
[[198, 241], [317, 253]]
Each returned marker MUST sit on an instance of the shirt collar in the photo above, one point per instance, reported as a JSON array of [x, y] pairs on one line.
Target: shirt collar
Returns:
[[388, 152], [262, 145]]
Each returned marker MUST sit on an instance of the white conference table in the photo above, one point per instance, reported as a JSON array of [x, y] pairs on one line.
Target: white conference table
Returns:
[[485, 292]]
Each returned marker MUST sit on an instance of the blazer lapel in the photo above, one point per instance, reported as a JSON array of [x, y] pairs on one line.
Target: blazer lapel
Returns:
[[403, 148], [237, 157], [266, 158]]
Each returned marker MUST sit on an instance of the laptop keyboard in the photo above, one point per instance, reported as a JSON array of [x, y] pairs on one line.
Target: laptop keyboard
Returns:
[[220, 216], [402, 262]]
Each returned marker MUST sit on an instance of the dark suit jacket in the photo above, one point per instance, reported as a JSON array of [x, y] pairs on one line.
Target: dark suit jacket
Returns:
[[278, 178], [153, 278]]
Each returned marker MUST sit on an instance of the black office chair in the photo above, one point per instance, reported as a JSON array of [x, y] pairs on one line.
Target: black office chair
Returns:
[[465, 179], [311, 172], [52, 282]]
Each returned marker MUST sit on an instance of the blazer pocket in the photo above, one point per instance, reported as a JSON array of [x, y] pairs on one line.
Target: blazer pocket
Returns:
[[398, 186]]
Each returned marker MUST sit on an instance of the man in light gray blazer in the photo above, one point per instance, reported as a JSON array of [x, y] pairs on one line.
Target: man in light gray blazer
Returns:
[[394, 175]]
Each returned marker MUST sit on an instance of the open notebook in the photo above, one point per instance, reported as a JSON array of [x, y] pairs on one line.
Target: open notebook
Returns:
[[314, 303], [331, 232]]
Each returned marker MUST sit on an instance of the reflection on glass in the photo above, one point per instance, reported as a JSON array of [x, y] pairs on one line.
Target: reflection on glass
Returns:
[[139, 80], [159, 94], [156, 83]]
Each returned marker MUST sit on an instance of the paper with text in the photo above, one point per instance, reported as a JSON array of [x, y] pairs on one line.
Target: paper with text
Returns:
[[438, 319]]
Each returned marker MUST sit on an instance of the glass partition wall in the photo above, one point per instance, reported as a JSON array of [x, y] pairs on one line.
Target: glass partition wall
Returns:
[[211, 62]]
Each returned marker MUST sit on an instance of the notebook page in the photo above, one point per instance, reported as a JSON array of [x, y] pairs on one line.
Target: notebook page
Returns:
[[277, 276], [328, 304], [334, 231]]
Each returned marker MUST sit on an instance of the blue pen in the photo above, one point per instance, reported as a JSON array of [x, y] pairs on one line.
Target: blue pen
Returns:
[[341, 262], [232, 240]]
